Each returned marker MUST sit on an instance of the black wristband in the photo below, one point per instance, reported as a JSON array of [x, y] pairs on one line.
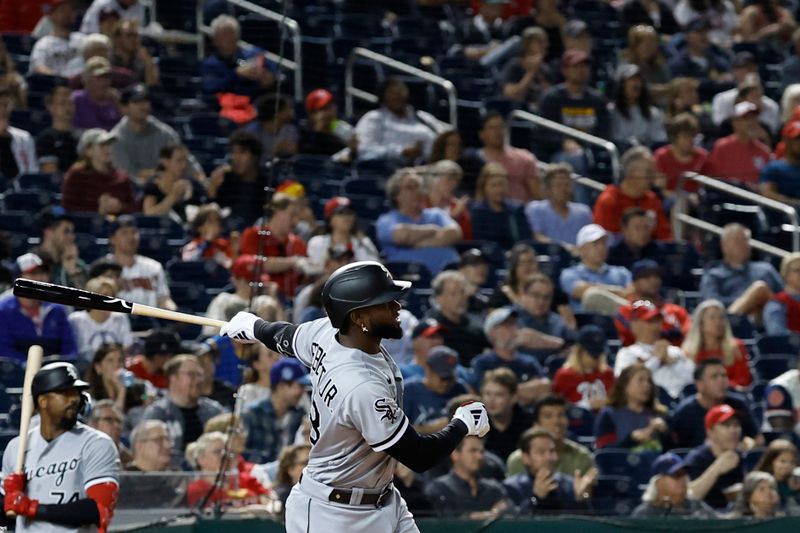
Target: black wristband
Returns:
[[74, 514]]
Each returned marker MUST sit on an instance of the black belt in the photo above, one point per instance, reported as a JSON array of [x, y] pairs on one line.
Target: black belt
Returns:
[[343, 496]]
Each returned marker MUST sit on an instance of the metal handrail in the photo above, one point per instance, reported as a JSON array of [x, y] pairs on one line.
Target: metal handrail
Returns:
[[589, 183], [291, 26], [381, 59], [750, 196], [683, 218], [605, 144]]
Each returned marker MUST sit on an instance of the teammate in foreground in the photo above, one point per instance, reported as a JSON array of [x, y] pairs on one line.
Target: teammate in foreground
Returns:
[[71, 478], [358, 430]]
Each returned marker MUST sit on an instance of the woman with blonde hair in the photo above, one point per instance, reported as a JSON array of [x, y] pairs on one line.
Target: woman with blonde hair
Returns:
[[782, 312], [711, 336], [495, 216], [585, 378]]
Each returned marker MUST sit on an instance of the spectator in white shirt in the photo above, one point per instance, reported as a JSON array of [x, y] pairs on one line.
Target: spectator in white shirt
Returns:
[[393, 131], [17, 149], [127, 10], [52, 53], [671, 369], [94, 327], [745, 74]]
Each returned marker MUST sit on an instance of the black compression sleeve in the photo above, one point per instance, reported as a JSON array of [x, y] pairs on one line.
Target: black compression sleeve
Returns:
[[74, 514], [421, 452], [277, 336]]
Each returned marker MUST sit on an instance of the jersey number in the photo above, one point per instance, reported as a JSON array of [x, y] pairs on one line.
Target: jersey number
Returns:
[[62, 495], [313, 417]]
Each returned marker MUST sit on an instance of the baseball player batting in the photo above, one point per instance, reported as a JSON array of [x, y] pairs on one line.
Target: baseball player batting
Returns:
[[358, 430], [71, 478]]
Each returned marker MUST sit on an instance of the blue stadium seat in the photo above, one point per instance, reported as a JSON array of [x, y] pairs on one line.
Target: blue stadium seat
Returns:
[[491, 250], [778, 344], [159, 247], [418, 301], [208, 274], [364, 187], [18, 43], [89, 223], [160, 225], [369, 207], [91, 248], [752, 457], [614, 495], [17, 221], [306, 168], [773, 365], [581, 421], [210, 125], [742, 327], [39, 182], [623, 462], [606, 323], [411, 271], [680, 259], [11, 372], [191, 296], [666, 399], [26, 201], [553, 363], [757, 391]]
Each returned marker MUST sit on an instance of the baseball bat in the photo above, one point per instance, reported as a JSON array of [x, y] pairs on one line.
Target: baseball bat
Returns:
[[50, 292], [35, 354]]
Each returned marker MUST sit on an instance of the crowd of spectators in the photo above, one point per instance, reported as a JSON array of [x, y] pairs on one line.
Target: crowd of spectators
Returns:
[[552, 306]]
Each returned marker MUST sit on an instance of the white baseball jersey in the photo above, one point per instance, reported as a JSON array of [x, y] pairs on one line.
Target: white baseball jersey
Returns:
[[116, 329], [144, 282], [60, 471], [355, 408]]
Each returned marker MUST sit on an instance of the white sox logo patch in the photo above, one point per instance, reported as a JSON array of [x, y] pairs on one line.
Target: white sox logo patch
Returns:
[[388, 408]]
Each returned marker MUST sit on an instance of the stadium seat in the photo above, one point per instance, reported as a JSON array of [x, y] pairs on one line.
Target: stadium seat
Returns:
[[606, 323], [210, 125], [581, 421], [16, 221], [773, 365], [752, 457], [39, 182], [778, 344], [369, 207], [411, 271], [614, 495], [679, 260], [364, 187], [418, 301], [12, 372], [208, 274], [305, 168], [160, 225], [742, 327], [666, 399], [491, 250], [688, 390], [553, 363], [26, 201], [623, 462]]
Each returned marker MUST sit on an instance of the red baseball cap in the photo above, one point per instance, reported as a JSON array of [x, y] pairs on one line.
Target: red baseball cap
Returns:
[[644, 310], [791, 130], [317, 99], [245, 267], [719, 414], [337, 204], [574, 57]]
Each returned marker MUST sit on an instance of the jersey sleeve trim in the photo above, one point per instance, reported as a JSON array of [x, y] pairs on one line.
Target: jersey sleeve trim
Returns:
[[98, 480], [393, 438]]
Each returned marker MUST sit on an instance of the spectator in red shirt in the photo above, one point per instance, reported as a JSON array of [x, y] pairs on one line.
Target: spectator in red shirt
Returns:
[[93, 184], [207, 241], [680, 155], [287, 251], [638, 173], [647, 286], [159, 347], [711, 337], [739, 157], [585, 379], [444, 179]]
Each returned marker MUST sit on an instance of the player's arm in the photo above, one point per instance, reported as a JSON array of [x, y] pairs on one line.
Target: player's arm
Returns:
[[247, 328]]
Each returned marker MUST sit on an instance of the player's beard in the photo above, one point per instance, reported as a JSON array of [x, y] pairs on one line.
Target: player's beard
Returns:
[[387, 331], [68, 419]]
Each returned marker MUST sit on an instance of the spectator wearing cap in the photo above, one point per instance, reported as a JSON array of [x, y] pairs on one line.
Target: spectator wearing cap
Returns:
[[410, 232], [184, 409], [239, 185], [698, 59], [779, 178], [98, 45], [507, 341], [324, 132], [711, 337], [95, 327], [159, 347], [782, 398], [593, 285], [242, 70], [497, 216], [543, 331], [575, 104], [427, 334], [16, 145], [244, 276], [577, 37], [634, 190], [713, 389], [557, 218], [170, 192], [393, 132], [57, 146], [275, 126], [126, 9], [743, 285], [647, 286], [207, 241], [140, 137], [52, 53], [717, 466], [272, 422], [525, 77], [425, 399], [637, 241], [474, 266], [96, 104], [276, 240], [444, 179], [681, 154], [671, 369], [341, 230], [105, 267], [143, 279], [781, 312], [25, 322], [57, 248], [308, 306], [93, 184], [667, 492], [634, 120], [745, 75], [129, 53], [585, 379], [740, 157], [462, 333]]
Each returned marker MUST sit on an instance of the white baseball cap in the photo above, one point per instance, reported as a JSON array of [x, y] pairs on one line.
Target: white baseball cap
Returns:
[[590, 233], [29, 262]]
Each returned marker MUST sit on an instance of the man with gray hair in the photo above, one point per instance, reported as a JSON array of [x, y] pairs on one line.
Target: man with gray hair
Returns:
[[108, 418], [233, 68], [96, 45], [410, 232], [668, 493]]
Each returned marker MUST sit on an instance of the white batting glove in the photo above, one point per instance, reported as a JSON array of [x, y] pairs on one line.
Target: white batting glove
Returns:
[[241, 328], [476, 418]]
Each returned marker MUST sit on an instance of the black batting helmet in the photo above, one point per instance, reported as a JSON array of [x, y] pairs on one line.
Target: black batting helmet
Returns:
[[359, 285], [57, 377]]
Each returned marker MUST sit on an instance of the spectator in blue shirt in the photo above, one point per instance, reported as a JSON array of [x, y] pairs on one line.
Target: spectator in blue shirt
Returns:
[[273, 421], [549, 331], [593, 286], [637, 241], [233, 68], [25, 322], [426, 335], [780, 179], [507, 339], [557, 218], [425, 399], [699, 59], [410, 233], [495, 216], [541, 487], [744, 286]]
